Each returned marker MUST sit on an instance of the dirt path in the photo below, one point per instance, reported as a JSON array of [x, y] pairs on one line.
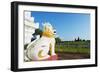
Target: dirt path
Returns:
[[68, 56]]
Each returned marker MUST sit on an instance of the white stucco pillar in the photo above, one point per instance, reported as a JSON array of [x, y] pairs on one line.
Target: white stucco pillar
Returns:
[[30, 26]]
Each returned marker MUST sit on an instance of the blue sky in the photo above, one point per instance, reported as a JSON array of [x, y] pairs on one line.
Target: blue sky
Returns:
[[68, 25]]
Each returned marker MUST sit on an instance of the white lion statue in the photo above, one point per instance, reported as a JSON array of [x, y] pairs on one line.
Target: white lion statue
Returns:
[[44, 47]]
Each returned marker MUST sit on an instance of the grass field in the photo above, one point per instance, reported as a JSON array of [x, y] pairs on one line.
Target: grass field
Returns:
[[74, 47], [73, 50]]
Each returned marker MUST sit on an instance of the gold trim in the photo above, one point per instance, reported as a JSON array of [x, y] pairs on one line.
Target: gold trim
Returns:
[[40, 54]]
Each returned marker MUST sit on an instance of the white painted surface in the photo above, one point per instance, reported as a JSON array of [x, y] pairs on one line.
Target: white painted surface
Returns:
[[5, 36], [29, 26]]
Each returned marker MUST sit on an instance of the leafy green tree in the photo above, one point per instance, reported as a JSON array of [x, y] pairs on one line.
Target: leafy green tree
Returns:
[[75, 39], [78, 39], [38, 32], [83, 39], [58, 40]]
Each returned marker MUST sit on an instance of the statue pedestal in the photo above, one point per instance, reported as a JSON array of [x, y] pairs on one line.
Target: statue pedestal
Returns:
[[54, 57]]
